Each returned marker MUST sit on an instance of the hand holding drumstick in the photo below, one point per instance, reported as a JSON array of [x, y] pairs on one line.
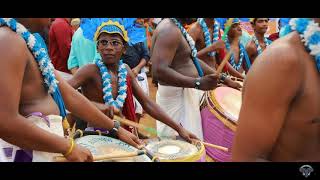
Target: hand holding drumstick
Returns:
[[212, 145]]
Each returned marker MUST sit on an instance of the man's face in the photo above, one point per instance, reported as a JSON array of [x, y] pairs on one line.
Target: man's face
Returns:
[[261, 25], [111, 47], [235, 30]]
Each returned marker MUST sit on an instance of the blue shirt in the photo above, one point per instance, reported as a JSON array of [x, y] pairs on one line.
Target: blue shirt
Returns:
[[82, 50]]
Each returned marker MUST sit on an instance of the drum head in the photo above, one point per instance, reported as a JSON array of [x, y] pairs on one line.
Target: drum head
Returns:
[[228, 101], [171, 149], [99, 145]]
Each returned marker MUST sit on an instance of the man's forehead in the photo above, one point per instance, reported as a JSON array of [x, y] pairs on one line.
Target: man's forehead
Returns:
[[105, 35], [262, 19]]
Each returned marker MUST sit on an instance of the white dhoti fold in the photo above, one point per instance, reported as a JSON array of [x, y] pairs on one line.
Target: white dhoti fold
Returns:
[[51, 123], [2, 156], [183, 106], [144, 86]]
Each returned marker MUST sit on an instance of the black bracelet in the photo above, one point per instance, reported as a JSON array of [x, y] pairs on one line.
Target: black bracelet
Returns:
[[223, 77]]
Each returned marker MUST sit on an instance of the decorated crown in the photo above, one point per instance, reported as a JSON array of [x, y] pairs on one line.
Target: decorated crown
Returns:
[[111, 27], [231, 21], [93, 27]]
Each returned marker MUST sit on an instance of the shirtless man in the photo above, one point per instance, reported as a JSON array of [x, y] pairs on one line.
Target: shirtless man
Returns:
[[280, 114], [173, 67], [90, 79], [211, 54], [239, 60], [258, 42], [23, 92]]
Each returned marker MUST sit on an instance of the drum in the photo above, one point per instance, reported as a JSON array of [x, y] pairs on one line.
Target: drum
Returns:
[[169, 150], [219, 120], [99, 143]]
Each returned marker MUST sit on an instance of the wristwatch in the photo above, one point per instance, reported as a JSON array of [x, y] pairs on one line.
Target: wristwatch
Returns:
[[223, 77], [197, 83], [113, 132]]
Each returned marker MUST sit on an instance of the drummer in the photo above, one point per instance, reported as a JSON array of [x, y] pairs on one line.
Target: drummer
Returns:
[[32, 106], [280, 116], [181, 76], [209, 50], [112, 82], [239, 59], [258, 42]]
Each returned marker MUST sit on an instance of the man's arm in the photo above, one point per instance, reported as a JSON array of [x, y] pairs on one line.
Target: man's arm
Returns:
[[252, 51], [265, 104], [14, 128], [154, 109], [80, 106], [144, 56], [81, 76], [164, 50]]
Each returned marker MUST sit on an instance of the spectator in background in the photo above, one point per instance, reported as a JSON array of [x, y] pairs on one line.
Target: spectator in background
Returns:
[[82, 50], [60, 36], [75, 24], [137, 56]]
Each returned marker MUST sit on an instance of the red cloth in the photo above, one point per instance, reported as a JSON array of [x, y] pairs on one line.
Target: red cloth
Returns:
[[128, 107], [274, 36], [60, 36]]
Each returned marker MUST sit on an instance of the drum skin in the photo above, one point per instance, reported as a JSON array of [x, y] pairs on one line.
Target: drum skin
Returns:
[[99, 145], [181, 151]]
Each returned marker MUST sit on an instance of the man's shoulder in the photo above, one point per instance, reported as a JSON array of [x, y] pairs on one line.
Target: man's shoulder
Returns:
[[196, 29], [167, 27], [10, 40], [8, 36]]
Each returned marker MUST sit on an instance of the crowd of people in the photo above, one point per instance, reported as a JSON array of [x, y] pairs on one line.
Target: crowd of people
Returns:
[[108, 61]]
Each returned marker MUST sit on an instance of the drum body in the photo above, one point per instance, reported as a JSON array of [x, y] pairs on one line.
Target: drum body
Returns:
[[168, 150], [219, 120], [99, 145]]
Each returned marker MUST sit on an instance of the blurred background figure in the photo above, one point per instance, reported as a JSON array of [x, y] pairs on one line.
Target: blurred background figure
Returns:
[[75, 24], [60, 36]]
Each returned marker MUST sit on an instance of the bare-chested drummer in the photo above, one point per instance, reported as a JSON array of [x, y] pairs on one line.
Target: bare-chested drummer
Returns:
[[258, 43], [239, 60], [32, 100], [280, 114], [181, 76], [112, 82], [206, 34]]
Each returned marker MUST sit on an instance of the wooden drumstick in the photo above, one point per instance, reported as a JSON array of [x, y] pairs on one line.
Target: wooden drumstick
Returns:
[[212, 145], [105, 156], [134, 124], [224, 61], [215, 146]]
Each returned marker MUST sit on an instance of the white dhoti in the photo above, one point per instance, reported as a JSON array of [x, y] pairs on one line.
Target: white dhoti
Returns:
[[53, 124], [145, 87], [183, 106], [2, 156]]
